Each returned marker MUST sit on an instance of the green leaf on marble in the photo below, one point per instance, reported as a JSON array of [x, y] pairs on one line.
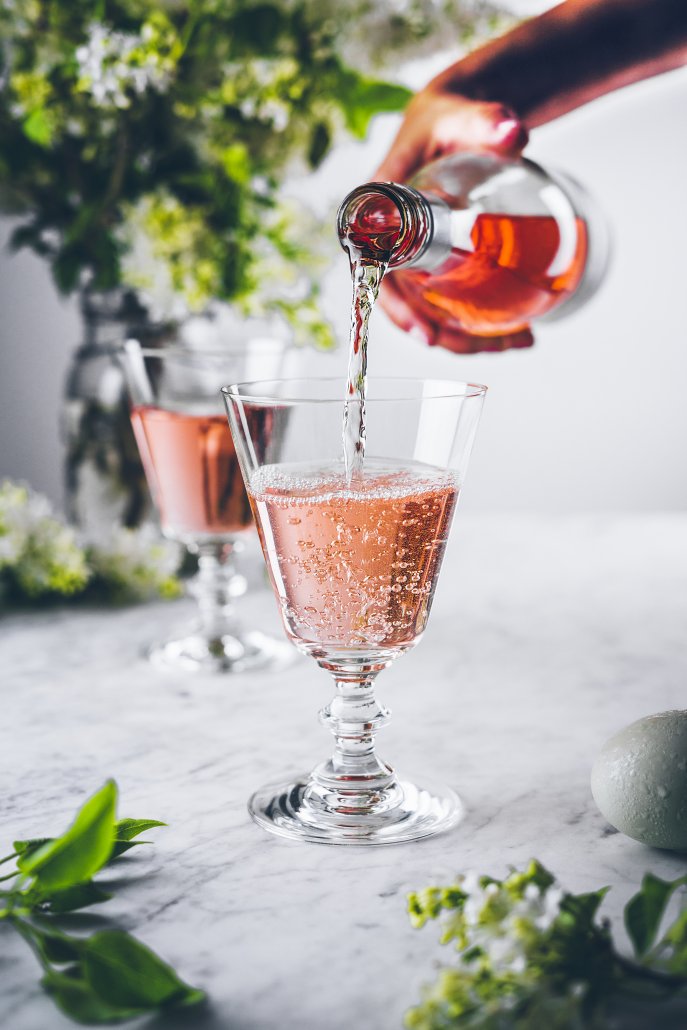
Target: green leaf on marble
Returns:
[[80, 852], [27, 847], [126, 830], [122, 971], [55, 947], [675, 943], [69, 899], [109, 976], [644, 912], [79, 1002]]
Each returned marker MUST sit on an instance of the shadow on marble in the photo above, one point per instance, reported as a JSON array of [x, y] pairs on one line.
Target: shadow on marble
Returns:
[[203, 1017]]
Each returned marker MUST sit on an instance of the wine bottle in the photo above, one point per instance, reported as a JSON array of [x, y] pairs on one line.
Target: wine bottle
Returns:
[[481, 243]]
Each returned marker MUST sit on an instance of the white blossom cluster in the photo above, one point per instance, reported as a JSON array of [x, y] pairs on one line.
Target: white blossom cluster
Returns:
[[502, 925], [113, 65], [43, 555], [138, 560], [14, 509], [42, 552], [260, 81]]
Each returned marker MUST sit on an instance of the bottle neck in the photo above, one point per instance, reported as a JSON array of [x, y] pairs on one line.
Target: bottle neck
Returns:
[[392, 224]]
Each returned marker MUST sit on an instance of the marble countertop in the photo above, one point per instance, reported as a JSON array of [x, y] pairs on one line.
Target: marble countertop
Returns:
[[547, 636]]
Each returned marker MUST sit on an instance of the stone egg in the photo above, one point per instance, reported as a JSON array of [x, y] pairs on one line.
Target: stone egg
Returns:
[[639, 780]]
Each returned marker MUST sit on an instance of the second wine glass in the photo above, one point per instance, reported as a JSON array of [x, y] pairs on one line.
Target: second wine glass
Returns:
[[194, 477]]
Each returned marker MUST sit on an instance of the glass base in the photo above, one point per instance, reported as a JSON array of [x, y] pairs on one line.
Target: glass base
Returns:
[[251, 652], [286, 809]]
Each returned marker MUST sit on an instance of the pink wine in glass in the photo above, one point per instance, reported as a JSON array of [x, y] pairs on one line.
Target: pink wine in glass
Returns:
[[191, 466], [354, 564]]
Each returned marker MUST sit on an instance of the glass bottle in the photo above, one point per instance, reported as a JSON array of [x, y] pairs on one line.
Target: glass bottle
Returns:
[[481, 243]]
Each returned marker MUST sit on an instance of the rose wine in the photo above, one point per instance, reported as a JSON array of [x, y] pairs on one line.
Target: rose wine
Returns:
[[513, 269], [354, 565], [366, 277], [193, 472]]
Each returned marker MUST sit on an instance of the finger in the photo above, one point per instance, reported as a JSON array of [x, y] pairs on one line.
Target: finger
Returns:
[[476, 127], [495, 128], [450, 337], [436, 125]]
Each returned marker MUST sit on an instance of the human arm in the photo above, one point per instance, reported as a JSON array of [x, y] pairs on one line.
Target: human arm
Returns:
[[541, 69]]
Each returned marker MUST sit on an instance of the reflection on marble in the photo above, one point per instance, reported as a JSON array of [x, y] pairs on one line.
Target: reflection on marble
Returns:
[[547, 636]]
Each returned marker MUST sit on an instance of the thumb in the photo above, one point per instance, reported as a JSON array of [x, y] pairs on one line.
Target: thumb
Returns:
[[441, 123], [460, 124]]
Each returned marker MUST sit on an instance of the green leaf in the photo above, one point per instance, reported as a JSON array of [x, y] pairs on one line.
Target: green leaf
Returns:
[[126, 829], [82, 850], [122, 846], [81, 895], [29, 236], [57, 947], [39, 127], [643, 912], [236, 163], [583, 907], [66, 268], [361, 98], [79, 1001], [27, 847], [320, 142], [124, 972], [676, 939]]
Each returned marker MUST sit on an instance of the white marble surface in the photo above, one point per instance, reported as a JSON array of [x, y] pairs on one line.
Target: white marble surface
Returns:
[[546, 637]]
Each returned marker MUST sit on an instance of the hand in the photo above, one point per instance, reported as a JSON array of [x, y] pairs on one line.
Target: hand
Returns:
[[438, 123]]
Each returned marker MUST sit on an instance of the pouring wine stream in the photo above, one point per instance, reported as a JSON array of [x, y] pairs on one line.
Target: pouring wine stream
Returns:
[[369, 236]]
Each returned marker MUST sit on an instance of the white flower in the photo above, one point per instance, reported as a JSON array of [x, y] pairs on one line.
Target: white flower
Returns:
[[276, 112], [502, 924], [41, 551], [506, 954], [14, 523], [113, 65], [138, 560]]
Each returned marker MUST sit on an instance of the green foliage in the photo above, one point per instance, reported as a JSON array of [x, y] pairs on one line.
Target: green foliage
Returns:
[[123, 972], [127, 829], [148, 144], [109, 976], [644, 912], [363, 98], [80, 852], [529, 956]]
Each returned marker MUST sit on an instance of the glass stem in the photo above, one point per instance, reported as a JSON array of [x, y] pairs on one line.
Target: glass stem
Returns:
[[215, 587], [354, 780]]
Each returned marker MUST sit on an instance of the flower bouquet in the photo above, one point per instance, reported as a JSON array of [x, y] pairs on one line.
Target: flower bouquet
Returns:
[[144, 149]]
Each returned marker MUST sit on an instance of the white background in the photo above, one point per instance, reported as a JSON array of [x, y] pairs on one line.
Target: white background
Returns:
[[594, 417]]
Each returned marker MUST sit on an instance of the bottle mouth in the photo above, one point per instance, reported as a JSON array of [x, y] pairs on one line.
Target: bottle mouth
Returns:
[[384, 222]]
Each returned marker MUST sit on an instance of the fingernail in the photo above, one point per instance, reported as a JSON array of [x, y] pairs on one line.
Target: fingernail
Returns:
[[510, 131]]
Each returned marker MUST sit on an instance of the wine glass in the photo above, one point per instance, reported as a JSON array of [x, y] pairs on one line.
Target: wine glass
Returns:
[[354, 564], [191, 468]]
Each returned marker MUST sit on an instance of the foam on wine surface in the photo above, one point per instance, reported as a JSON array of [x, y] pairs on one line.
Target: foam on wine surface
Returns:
[[354, 563]]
